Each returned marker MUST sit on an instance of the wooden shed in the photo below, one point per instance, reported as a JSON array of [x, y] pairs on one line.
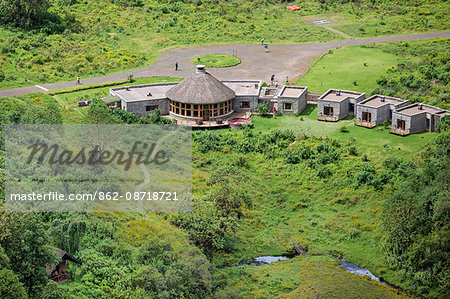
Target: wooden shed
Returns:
[[58, 272]]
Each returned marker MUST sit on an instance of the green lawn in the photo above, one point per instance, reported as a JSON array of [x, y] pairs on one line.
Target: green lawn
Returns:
[[344, 67], [216, 60]]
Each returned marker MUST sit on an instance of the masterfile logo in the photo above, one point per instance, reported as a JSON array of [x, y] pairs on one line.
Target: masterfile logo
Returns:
[[98, 168]]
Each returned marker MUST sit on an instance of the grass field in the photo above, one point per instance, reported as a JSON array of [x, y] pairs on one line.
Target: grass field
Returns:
[[350, 68], [216, 60]]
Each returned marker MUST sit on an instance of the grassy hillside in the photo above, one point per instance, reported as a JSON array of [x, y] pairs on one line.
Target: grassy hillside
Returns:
[[85, 37]]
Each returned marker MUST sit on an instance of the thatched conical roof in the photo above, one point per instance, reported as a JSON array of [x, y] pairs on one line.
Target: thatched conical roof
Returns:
[[200, 88]]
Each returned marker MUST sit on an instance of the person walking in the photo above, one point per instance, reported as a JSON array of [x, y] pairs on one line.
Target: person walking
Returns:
[[274, 112], [176, 66], [266, 46], [272, 79], [262, 41], [78, 80]]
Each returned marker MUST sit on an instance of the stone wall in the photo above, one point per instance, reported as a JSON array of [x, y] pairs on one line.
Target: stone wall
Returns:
[[138, 107], [298, 104], [378, 115], [340, 109], [313, 97], [253, 103], [413, 123]]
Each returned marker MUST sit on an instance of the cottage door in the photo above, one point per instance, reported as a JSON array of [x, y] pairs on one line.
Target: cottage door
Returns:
[[401, 124]]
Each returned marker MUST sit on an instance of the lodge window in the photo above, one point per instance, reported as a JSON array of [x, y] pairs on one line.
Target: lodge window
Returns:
[[149, 108], [366, 116], [206, 110], [287, 106], [244, 104], [328, 110]]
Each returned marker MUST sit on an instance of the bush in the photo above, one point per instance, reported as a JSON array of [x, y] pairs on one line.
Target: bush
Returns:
[[353, 151], [366, 175], [323, 171], [263, 108]]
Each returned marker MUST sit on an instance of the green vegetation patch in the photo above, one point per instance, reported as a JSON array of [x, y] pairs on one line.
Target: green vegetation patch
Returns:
[[216, 60], [298, 278]]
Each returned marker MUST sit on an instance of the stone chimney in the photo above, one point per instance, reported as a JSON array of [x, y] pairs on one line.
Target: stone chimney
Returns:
[[383, 99], [201, 69], [338, 92], [420, 107]]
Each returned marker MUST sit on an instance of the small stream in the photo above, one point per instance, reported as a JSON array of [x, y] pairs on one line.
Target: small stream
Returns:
[[349, 267], [263, 260]]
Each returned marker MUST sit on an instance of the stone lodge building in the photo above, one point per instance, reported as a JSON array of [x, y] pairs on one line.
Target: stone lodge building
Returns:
[[291, 100], [416, 118], [202, 96], [376, 110], [334, 104]]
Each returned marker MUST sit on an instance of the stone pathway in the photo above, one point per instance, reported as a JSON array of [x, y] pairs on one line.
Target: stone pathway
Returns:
[[284, 60]]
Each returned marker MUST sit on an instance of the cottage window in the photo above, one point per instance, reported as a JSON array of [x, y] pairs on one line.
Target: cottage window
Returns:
[[287, 106], [244, 104], [150, 108], [328, 111]]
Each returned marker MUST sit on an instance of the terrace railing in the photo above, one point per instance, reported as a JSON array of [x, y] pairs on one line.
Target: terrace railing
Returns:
[[327, 117], [366, 124], [399, 132]]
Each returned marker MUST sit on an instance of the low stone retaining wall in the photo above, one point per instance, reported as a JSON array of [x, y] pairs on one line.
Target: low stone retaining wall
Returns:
[[313, 97]]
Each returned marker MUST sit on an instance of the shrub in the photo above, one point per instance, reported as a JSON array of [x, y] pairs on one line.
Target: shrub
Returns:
[[248, 126], [366, 175], [323, 171], [292, 157], [442, 126], [343, 129], [263, 108], [353, 151]]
